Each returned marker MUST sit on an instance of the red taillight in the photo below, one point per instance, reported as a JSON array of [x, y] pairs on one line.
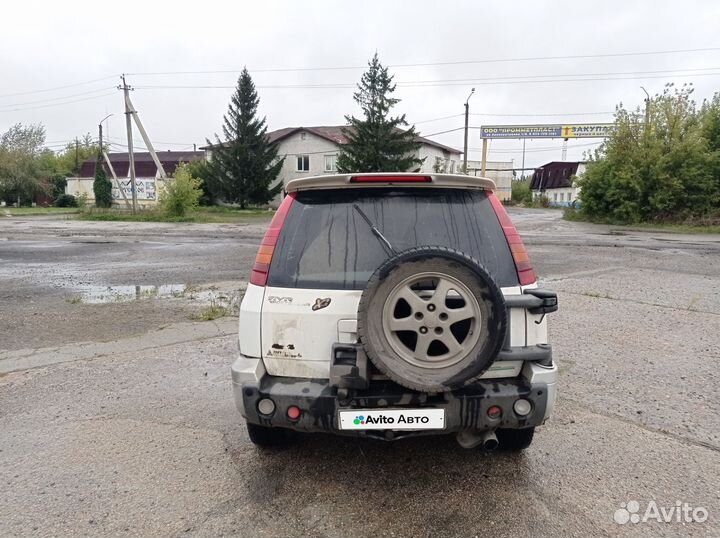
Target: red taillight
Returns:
[[390, 179], [525, 272], [293, 412], [259, 273]]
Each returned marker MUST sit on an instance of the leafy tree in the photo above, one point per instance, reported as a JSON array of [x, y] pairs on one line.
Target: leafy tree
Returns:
[[661, 168], [181, 194], [199, 169], [70, 159], [101, 185], [521, 193], [376, 143], [20, 171], [244, 166]]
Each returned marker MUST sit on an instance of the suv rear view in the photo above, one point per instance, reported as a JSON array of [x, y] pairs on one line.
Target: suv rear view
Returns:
[[390, 306]]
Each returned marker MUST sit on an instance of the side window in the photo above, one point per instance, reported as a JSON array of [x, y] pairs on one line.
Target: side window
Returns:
[[330, 163], [303, 163]]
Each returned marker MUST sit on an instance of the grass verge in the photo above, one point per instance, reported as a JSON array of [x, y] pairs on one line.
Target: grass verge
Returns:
[[24, 211], [201, 215], [575, 215]]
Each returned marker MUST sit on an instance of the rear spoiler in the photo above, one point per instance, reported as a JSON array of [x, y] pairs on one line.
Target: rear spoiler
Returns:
[[384, 179]]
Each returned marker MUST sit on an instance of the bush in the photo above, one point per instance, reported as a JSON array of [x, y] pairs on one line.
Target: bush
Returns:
[[66, 200], [665, 170], [181, 194], [521, 193]]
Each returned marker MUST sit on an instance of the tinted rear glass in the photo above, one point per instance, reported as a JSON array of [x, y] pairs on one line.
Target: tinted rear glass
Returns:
[[326, 244]]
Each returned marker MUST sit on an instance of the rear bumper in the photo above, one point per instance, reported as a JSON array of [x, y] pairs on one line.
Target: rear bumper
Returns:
[[319, 403]]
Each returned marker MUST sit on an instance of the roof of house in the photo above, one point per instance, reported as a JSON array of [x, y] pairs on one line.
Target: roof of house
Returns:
[[144, 164], [335, 134], [554, 175]]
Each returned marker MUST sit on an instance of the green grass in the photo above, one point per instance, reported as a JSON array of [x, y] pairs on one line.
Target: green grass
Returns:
[[213, 214], [23, 211], [214, 311], [680, 228]]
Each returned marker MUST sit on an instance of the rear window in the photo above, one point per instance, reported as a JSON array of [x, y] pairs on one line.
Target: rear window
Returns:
[[327, 244]]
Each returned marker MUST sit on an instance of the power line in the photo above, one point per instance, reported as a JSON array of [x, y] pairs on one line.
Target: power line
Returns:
[[58, 87], [58, 104], [529, 79], [431, 64], [50, 99]]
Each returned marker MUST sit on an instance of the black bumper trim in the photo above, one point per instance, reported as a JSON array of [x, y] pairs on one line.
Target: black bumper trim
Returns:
[[465, 409]]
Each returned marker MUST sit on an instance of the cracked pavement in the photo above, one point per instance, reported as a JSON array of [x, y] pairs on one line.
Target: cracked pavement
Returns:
[[133, 434]]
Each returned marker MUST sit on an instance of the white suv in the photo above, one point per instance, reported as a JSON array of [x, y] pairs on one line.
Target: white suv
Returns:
[[394, 305]]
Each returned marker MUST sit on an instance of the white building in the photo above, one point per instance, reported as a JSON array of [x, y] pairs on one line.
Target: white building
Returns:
[[556, 181], [312, 151], [148, 183], [501, 172]]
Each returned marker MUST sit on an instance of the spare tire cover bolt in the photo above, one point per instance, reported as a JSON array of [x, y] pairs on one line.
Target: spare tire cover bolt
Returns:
[[418, 315], [423, 330], [438, 330], [443, 316], [431, 307]]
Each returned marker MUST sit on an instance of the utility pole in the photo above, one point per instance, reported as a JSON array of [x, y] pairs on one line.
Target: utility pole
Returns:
[[564, 149], [467, 115], [77, 156], [523, 160], [647, 107], [128, 125]]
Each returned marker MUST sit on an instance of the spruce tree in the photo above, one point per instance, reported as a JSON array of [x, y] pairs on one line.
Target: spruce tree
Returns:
[[244, 165], [377, 142], [102, 186]]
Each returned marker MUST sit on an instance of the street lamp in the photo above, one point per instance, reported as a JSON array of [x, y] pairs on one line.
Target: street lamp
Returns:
[[467, 114], [647, 106], [100, 137]]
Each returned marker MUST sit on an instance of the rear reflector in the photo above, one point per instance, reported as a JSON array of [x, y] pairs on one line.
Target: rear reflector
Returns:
[[390, 179], [260, 270], [525, 272]]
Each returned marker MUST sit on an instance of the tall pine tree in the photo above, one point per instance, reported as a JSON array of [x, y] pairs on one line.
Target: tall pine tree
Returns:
[[377, 142], [244, 165]]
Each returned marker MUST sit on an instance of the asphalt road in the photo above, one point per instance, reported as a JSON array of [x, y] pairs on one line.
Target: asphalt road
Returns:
[[126, 426]]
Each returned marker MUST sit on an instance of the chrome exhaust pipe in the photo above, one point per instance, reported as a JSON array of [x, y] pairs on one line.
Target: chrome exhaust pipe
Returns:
[[490, 440], [472, 438]]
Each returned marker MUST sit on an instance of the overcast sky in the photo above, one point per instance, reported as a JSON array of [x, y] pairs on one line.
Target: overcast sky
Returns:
[[45, 45]]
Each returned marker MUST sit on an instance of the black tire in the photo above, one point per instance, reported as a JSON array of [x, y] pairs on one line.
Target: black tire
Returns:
[[477, 351], [515, 440], [268, 437]]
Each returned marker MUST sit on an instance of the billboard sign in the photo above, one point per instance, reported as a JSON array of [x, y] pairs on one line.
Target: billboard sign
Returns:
[[569, 130]]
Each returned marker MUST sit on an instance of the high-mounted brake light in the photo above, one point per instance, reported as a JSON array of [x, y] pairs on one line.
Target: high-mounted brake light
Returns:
[[260, 270], [390, 179], [526, 274]]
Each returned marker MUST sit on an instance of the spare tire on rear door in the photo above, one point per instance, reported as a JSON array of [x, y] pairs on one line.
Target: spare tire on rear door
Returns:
[[432, 319]]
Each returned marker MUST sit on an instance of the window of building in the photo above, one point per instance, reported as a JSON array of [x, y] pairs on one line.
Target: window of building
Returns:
[[562, 196], [330, 163], [554, 197], [303, 163], [569, 197], [303, 136]]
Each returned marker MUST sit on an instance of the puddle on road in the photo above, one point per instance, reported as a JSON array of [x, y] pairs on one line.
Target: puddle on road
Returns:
[[123, 294]]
